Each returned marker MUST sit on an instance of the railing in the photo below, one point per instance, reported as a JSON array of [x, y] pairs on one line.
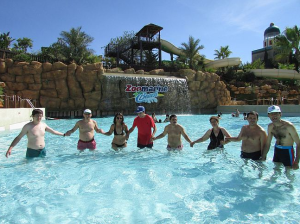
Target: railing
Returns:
[[17, 102], [10, 54]]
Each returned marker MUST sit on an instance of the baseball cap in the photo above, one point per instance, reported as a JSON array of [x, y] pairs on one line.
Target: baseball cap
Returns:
[[140, 109], [87, 111], [274, 109]]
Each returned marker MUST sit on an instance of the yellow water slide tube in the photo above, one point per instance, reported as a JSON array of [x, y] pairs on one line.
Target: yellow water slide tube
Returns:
[[276, 73], [166, 46]]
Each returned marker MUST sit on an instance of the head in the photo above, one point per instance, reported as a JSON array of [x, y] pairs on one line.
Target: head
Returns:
[[37, 114], [140, 111], [167, 115], [274, 113], [214, 121], [252, 117], [87, 113], [153, 114], [173, 119], [119, 117], [252, 113]]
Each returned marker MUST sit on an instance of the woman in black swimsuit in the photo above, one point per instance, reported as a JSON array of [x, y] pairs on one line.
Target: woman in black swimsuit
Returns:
[[216, 135], [119, 128]]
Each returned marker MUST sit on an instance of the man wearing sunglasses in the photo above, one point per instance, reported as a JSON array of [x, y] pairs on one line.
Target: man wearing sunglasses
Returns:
[[286, 135]]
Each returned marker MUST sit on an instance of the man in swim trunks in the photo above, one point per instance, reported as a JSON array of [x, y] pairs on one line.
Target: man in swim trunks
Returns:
[[86, 131], [174, 132], [253, 138], [35, 131], [144, 123], [286, 135]]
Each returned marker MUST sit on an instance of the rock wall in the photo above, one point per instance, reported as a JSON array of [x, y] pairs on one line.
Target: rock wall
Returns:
[[60, 87], [206, 90]]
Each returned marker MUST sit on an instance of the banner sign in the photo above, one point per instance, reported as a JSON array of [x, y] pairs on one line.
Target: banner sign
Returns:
[[146, 94]]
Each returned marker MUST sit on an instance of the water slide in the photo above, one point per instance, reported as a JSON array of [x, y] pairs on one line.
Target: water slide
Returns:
[[171, 49], [276, 73]]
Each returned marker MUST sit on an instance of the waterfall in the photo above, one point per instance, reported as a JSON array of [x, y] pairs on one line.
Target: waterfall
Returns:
[[120, 93]]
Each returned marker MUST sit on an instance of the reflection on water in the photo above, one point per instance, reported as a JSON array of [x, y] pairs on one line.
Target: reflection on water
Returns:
[[145, 186]]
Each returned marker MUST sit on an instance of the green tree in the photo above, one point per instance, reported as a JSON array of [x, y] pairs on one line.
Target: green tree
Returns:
[[23, 44], [5, 41], [74, 45], [287, 46], [224, 52], [151, 58], [191, 51]]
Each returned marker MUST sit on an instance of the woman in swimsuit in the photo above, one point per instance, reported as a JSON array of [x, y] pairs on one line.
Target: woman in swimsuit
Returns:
[[216, 134], [119, 128]]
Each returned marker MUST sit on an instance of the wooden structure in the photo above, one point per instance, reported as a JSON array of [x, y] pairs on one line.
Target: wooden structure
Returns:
[[132, 52]]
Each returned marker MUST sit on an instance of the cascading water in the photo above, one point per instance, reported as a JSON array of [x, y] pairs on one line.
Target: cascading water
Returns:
[[157, 94]]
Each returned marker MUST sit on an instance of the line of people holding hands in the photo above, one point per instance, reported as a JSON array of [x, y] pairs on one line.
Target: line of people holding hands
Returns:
[[255, 141]]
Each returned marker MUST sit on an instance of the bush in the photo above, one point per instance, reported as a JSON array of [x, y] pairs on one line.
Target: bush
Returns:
[[22, 57]]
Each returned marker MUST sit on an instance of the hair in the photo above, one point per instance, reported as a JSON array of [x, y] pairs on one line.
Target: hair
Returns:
[[37, 111], [173, 115], [214, 117], [253, 113], [153, 114], [115, 118], [167, 115]]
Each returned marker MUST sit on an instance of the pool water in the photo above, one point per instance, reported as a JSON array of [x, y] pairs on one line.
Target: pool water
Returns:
[[146, 186]]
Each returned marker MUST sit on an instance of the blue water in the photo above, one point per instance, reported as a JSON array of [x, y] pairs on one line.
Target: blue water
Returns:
[[145, 186]]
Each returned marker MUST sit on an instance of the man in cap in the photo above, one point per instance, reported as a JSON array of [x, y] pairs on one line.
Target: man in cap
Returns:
[[286, 135], [35, 131], [86, 131], [144, 123]]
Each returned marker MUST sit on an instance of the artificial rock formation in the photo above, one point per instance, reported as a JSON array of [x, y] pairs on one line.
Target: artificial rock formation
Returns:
[[60, 87]]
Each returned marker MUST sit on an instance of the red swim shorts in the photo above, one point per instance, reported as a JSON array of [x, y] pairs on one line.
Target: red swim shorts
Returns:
[[82, 145]]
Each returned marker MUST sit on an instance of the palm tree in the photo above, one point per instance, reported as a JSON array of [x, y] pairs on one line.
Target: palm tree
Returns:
[[287, 46], [23, 44], [5, 41], [75, 45], [191, 51], [224, 52]]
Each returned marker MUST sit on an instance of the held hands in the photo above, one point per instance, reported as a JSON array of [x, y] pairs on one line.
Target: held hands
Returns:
[[192, 144], [68, 133]]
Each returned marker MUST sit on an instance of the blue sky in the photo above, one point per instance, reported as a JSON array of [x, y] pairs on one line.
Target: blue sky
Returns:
[[239, 24]]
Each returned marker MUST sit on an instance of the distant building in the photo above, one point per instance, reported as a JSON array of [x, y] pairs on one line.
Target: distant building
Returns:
[[267, 53]]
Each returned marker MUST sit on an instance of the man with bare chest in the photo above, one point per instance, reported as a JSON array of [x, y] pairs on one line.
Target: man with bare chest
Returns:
[[174, 131], [35, 132], [86, 131], [286, 135], [253, 138]]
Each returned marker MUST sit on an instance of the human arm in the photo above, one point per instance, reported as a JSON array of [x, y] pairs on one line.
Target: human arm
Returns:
[[98, 130], [203, 138], [226, 135], [234, 139], [186, 137], [52, 131], [295, 136], [263, 139], [111, 130], [16, 140], [154, 130], [71, 131], [129, 131], [268, 143], [161, 135]]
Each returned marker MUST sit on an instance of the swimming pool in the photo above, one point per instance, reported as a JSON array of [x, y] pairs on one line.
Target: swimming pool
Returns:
[[145, 186]]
